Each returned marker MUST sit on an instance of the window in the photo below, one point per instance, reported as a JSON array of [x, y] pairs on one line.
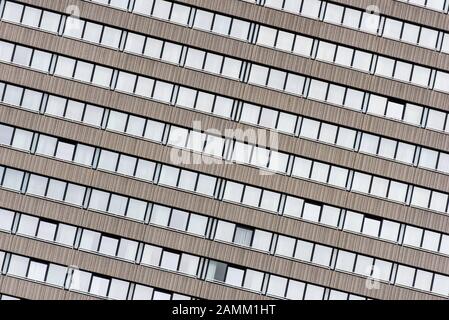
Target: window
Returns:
[[392, 29], [379, 187], [293, 207], [28, 225], [108, 246], [18, 265], [225, 231], [410, 33], [405, 276], [197, 224], [36, 271], [361, 182], [6, 51], [258, 75], [99, 286], [353, 221], [322, 255], [178, 220], [6, 133], [216, 271], [37, 185], [22, 139], [188, 264], [344, 56], [127, 249], [50, 21], [239, 29], [285, 40], [160, 215], [203, 20], [90, 240], [171, 52], [56, 275], [234, 276], [126, 82], [295, 290], [311, 8], [262, 240], [253, 280], [334, 13], [233, 191], [285, 246], [65, 67], [318, 90], [421, 75], [371, 227], [169, 260], [267, 36], [47, 231], [6, 219], [41, 60], [277, 286], [251, 196], [243, 236], [12, 179], [303, 45], [118, 289], [102, 76], [117, 205], [362, 60], [420, 197], [403, 71], [66, 234], [151, 255], [345, 261], [12, 11], [326, 51], [397, 191]]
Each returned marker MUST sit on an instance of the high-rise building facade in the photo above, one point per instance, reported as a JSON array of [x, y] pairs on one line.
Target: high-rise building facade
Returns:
[[224, 149]]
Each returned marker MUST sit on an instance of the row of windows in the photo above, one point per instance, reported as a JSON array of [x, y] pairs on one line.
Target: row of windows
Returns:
[[140, 253], [436, 5], [166, 92], [218, 105], [204, 184], [137, 209], [386, 67], [146, 254], [90, 240], [229, 67], [142, 169], [98, 158], [273, 285], [158, 131], [199, 183], [315, 9], [123, 206], [384, 229], [334, 258], [81, 281], [366, 21]]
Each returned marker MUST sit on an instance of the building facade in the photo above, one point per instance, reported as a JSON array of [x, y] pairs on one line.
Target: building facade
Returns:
[[234, 149]]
